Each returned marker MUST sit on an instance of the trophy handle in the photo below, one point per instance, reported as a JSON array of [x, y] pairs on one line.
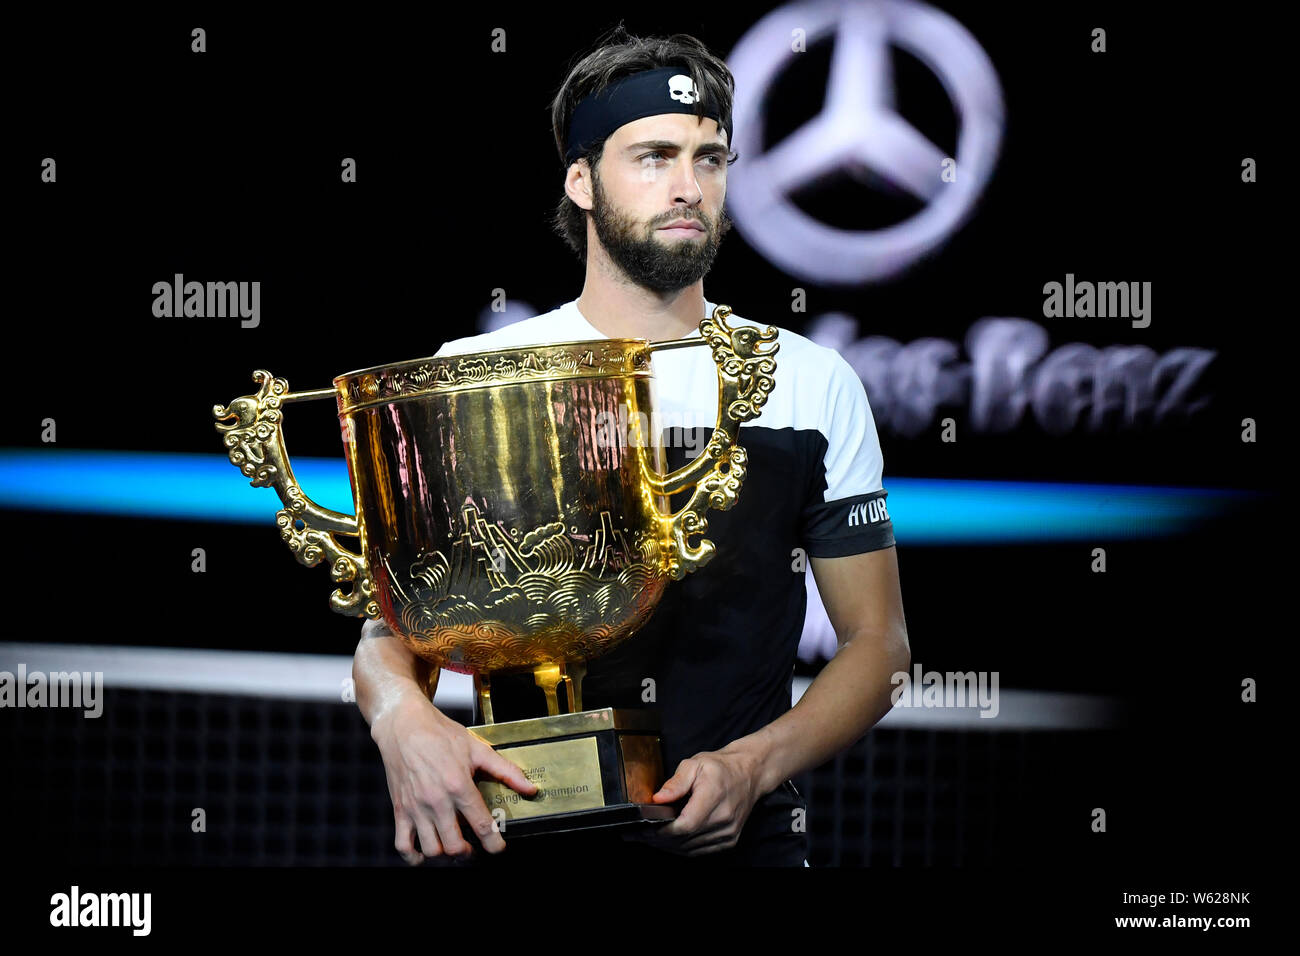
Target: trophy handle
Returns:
[[255, 444], [745, 377]]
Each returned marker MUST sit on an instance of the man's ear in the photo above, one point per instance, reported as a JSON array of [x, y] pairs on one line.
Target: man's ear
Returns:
[[577, 184]]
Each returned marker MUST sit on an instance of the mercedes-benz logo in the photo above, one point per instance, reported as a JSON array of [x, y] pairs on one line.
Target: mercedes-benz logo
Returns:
[[858, 130]]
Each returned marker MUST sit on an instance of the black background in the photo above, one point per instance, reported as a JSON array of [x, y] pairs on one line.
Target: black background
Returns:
[[225, 166]]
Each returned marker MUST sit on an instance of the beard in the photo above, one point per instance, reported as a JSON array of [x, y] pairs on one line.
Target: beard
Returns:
[[659, 264]]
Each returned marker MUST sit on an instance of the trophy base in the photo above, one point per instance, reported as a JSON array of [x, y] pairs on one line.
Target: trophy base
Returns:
[[593, 769], [620, 816]]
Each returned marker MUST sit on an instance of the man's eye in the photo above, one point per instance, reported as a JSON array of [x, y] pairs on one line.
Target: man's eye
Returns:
[[713, 158]]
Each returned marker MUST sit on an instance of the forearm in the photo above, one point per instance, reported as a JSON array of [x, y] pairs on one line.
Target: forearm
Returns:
[[384, 671], [846, 699]]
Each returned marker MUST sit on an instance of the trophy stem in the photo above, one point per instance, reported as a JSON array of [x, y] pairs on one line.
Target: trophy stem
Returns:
[[483, 690], [549, 677], [576, 672]]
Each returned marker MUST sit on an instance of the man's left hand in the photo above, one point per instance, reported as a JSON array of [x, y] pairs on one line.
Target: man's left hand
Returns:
[[722, 786]]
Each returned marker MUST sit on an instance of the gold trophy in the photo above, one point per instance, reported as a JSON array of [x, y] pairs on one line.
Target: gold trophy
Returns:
[[502, 532]]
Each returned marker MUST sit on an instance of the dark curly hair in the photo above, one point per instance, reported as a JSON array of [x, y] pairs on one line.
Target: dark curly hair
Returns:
[[618, 54]]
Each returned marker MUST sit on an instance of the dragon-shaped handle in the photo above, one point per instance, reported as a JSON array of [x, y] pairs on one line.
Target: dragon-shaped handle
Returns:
[[745, 378], [255, 444]]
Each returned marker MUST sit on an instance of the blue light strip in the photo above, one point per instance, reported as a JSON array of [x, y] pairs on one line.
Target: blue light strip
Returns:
[[938, 511], [924, 510]]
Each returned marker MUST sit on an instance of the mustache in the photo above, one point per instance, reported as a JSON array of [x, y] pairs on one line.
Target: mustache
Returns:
[[673, 217]]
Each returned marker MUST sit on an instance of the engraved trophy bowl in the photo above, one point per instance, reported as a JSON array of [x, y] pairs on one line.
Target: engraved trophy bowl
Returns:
[[512, 517]]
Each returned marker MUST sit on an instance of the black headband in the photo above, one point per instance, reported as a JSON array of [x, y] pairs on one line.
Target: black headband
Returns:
[[667, 90]]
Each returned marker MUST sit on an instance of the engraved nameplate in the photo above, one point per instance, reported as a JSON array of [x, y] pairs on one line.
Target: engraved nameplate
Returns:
[[566, 772]]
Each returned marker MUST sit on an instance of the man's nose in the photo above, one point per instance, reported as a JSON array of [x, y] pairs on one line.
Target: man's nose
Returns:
[[687, 189]]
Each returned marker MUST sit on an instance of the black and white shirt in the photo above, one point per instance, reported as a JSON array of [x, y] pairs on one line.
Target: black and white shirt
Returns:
[[722, 643]]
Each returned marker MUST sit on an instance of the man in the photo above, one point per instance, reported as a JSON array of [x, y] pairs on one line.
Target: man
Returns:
[[643, 127]]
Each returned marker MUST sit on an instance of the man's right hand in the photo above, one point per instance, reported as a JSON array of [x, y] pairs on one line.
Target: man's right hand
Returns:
[[430, 761]]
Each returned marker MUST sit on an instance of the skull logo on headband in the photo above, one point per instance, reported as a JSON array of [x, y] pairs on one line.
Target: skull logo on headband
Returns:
[[682, 88], [649, 93]]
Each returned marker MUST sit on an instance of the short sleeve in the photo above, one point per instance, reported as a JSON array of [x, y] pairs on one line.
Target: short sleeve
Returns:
[[472, 343], [845, 510], [453, 347]]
